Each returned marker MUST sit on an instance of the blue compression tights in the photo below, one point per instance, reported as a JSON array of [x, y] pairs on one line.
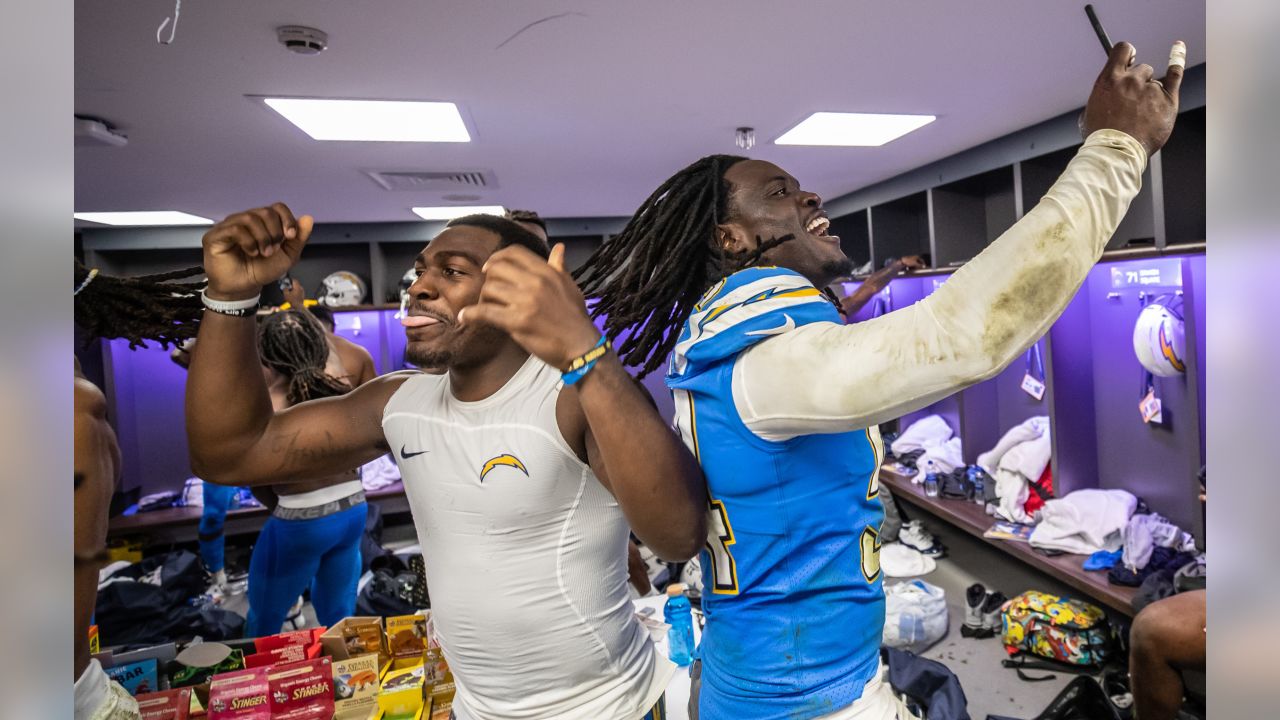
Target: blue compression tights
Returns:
[[291, 555], [217, 500]]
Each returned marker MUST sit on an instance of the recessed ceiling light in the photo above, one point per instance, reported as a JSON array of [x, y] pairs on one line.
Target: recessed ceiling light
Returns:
[[852, 129], [150, 217], [456, 211], [373, 120]]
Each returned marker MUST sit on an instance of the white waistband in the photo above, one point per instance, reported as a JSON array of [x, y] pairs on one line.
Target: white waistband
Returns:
[[322, 496]]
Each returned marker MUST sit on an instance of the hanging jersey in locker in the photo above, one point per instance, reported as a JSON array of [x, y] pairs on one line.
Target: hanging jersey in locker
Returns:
[[525, 555]]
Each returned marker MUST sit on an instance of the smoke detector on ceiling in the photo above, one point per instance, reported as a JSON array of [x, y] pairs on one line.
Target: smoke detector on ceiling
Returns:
[[92, 132], [302, 40]]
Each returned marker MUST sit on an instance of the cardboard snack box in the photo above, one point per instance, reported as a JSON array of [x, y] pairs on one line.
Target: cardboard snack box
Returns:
[[356, 686], [356, 635], [403, 693], [165, 705], [407, 636], [302, 690], [240, 695]]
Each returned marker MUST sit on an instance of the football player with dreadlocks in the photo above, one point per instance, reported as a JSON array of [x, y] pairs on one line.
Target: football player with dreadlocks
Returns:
[[721, 268], [312, 538]]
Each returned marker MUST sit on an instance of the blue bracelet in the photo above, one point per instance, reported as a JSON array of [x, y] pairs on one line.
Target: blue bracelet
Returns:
[[582, 364]]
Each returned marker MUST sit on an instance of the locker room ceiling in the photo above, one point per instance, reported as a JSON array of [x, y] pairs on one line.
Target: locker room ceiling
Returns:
[[578, 108]]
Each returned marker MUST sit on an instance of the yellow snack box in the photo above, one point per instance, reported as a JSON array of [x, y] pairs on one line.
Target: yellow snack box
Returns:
[[403, 693]]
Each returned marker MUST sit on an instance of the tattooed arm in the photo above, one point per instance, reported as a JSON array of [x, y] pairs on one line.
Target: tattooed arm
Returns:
[[235, 436]]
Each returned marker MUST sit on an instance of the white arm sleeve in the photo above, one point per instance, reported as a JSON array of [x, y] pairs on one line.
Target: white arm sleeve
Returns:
[[829, 378]]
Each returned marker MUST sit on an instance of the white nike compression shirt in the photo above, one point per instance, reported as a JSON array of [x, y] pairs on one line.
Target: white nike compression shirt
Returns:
[[831, 378], [526, 555]]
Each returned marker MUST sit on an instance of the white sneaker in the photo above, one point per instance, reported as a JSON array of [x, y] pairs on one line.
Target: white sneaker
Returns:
[[914, 536]]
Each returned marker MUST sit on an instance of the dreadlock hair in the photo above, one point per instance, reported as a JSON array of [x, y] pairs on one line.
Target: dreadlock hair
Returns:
[[147, 307], [648, 278], [324, 315], [292, 343]]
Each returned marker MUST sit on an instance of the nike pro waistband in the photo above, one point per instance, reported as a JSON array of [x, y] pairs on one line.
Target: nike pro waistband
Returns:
[[319, 511]]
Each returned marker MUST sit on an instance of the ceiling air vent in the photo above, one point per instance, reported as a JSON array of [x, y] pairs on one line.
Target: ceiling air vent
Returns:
[[434, 181]]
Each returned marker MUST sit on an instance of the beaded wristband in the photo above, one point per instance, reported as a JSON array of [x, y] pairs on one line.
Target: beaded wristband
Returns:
[[582, 364]]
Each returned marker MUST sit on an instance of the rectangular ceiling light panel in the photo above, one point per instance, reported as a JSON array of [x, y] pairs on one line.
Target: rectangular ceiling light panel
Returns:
[[852, 129], [150, 217], [456, 211], [373, 120]]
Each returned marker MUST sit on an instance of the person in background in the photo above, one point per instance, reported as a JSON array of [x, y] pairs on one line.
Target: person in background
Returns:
[[145, 309], [718, 276], [347, 361], [850, 305], [1167, 637], [312, 538], [530, 221]]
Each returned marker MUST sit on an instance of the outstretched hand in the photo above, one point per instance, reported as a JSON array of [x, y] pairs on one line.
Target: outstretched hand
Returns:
[[1125, 97], [537, 303], [253, 248]]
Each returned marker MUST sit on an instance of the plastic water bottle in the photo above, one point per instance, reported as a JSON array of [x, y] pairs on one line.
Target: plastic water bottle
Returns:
[[975, 479], [931, 479], [679, 616]]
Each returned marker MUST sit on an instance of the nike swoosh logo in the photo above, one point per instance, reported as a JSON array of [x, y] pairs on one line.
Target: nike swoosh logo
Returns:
[[406, 455], [787, 326]]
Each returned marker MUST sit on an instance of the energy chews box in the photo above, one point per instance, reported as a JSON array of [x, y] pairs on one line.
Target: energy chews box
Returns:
[[167, 705], [407, 636], [240, 695], [402, 693], [302, 690], [355, 636], [356, 687]]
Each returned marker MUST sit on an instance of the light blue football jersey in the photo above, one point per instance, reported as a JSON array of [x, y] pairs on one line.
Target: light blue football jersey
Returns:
[[791, 570]]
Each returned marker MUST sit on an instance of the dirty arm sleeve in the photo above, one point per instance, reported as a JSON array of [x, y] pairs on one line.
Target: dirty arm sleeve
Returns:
[[828, 378]]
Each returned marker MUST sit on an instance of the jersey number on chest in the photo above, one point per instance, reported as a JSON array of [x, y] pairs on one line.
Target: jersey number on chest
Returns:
[[724, 569]]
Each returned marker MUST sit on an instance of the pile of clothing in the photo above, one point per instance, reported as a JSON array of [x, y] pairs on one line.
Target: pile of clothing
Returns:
[[1019, 462], [929, 438]]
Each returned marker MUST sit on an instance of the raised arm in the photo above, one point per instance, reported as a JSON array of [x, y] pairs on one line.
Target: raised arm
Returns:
[[235, 436], [993, 308], [629, 446]]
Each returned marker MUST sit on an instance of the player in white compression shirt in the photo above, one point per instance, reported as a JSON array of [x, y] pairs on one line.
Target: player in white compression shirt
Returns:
[[521, 488]]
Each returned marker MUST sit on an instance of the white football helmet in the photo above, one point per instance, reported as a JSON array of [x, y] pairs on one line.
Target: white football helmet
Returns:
[[342, 289], [1159, 338]]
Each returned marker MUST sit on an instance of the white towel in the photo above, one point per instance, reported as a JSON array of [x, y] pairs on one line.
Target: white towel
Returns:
[[1030, 429], [926, 432], [946, 457], [1018, 459], [1085, 521], [898, 560]]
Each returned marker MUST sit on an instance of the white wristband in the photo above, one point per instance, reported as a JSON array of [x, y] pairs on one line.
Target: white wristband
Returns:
[[229, 305]]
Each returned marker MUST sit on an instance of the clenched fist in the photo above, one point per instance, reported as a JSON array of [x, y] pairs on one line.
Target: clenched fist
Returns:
[[251, 249]]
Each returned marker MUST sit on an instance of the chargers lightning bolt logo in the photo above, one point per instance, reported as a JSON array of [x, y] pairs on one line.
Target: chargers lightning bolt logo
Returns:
[[507, 460], [1166, 349]]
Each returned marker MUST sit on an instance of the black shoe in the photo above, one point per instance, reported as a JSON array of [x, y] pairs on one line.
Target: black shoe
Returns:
[[973, 598]]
